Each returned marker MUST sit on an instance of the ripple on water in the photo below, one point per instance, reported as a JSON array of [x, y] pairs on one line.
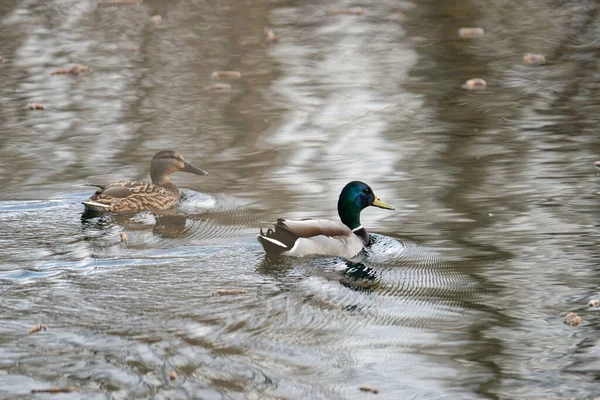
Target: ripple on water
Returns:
[[199, 218], [412, 299], [302, 329], [404, 285], [84, 244]]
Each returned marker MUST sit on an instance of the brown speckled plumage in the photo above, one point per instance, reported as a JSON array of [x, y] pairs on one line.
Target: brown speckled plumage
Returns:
[[134, 196]]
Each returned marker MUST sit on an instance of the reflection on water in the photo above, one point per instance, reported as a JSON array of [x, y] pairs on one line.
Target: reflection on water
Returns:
[[462, 291]]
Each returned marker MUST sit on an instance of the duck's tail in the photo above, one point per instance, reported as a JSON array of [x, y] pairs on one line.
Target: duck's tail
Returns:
[[92, 205], [276, 241]]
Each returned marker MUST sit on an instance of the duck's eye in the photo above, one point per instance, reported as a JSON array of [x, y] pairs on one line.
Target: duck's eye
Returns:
[[366, 190]]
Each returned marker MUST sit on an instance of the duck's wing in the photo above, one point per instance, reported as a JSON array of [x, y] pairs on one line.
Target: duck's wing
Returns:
[[124, 189], [117, 192], [301, 237], [313, 227], [110, 196]]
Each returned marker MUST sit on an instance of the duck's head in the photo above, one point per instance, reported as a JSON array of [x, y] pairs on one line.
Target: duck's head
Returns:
[[354, 198], [166, 162]]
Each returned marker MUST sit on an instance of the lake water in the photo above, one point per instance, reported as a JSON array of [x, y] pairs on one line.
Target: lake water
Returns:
[[494, 238]]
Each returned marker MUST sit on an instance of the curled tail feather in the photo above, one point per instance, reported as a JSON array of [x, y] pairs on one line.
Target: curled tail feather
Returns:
[[277, 241]]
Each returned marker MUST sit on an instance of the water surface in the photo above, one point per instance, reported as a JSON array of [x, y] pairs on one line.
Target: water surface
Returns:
[[494, 238]]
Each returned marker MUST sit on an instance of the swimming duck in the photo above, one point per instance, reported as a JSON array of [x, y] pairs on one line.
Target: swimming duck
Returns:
[[302, 237], [134, 196]]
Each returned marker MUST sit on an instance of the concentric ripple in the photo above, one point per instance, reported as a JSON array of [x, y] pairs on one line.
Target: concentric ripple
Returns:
[[155, 296]]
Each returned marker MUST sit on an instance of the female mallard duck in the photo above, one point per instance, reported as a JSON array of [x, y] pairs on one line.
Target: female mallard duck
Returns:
[[134, 196], [302, 237]]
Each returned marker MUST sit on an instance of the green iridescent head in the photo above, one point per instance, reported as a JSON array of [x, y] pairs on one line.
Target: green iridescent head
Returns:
[[354, 198]]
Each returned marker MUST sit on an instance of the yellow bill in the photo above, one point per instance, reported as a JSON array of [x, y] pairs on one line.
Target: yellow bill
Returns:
[[381, 204]]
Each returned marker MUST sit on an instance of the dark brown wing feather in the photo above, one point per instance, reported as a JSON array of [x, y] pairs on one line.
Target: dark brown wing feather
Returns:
[[118, 192]]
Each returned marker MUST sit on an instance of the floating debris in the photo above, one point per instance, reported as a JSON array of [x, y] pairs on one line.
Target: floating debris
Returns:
[[597, 164], [228, 292], [156, 19], [271, 36], [124, 238], [66, 389], [367, 388], [1, 59], [172, 375], [74, 70], [218, 87], [572, 319], [534, 59], [475, 84], [37, 328], [36, 106], [132, 48], [594, 303], [78, 69], [116, 3], [471, 33], [398, 16], [226, 75], [346, 11]]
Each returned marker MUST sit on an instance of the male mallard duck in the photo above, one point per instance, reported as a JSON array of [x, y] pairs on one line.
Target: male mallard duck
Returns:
[[302, 237], [134, 196]]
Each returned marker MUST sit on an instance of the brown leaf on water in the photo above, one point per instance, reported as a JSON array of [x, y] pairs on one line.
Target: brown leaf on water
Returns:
[[74, 70], [218, 87], [475, 84], [60, 72], [132, 48], [398, 16], [471, 33], [572, 319], [367, 388], [172, 375], [271, 37], [534, 59], [226, 75], [346, 11], [78, 69], [66, 389], [228, 292], [124, 238], [36, 106], [116, 3], [37, 328]]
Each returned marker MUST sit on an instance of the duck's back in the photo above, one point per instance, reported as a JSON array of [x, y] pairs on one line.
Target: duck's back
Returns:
[[131, 196], [303, 237]]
